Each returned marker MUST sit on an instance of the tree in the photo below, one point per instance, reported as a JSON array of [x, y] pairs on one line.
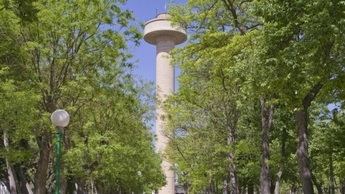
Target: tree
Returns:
[[73, 55], [209, 73], [304, 58], [272, 52]]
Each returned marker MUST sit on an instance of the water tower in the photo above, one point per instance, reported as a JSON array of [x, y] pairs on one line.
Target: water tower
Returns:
[[161, 33]]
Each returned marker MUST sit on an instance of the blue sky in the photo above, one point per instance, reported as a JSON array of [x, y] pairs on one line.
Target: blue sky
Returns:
[[144, 55]]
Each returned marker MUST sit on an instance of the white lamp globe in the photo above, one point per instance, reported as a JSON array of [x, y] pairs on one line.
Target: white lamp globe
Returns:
[[60, 118]]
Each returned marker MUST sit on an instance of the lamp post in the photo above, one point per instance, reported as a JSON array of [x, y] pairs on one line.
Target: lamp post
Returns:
[[60, 119]]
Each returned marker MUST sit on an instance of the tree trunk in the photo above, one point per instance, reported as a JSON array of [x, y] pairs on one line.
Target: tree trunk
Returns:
[[331, 175], [277, 182], [70, 186], [233, 183], [225, 187], [317, 184], [302, 152], [22, 181], [42, 165], [284, 137], [250, 188], [342, 187], [302, 149], [266, 123], [293, 189], [12, 179], [80, 187], [43, 141], [273, 185], [29, 188]]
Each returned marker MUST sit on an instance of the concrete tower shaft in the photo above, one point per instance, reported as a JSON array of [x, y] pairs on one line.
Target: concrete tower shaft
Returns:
[[161, 33]]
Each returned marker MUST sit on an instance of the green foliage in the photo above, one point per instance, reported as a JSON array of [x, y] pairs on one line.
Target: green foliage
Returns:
[[327, 145], [275, 49], [73, 55]]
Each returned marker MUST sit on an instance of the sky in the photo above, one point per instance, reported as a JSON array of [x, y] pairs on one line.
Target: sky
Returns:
[[144, 54]]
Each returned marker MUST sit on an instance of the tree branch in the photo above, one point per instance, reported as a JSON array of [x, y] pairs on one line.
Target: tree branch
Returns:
[[230, 6]]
